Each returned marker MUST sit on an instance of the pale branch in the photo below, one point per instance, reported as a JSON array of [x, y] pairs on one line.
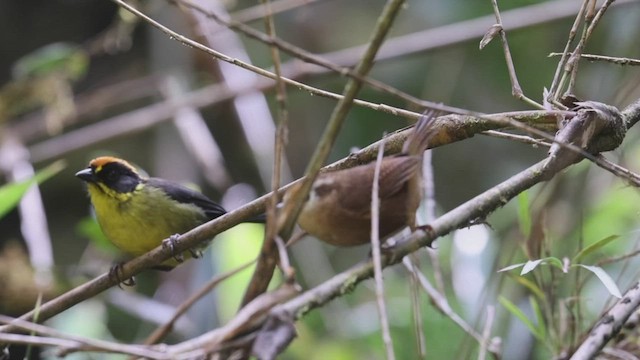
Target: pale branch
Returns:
[[603, 58], [609, 325]]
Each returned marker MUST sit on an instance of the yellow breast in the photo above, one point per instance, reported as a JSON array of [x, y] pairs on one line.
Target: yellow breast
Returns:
[[137, 222]]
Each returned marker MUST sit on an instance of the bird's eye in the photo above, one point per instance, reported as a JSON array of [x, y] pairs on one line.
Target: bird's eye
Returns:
[[110, 176], [323, 189]]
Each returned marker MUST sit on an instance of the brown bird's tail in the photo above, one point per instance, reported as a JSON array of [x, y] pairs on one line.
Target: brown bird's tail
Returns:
[[418, 141]]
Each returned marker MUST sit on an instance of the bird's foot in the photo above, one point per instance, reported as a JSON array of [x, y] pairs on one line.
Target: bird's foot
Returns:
[[431, 233], [115, 273], [170, 243], [386, 248]]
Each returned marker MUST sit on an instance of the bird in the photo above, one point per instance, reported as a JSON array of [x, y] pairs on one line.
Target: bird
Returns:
[[137, 213], [338, 209]]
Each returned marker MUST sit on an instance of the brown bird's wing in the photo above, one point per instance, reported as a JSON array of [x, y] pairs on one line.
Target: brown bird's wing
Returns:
[[395, 172], [358, 203]]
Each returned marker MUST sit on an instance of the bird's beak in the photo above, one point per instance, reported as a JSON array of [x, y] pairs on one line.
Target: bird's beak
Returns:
[[86, 175]]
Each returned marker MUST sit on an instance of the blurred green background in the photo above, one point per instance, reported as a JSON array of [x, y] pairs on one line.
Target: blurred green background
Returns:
[[84, 78]]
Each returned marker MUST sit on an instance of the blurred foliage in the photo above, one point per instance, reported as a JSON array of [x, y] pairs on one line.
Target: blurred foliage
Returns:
[[59, 58], [20, 290], [44, 78], [18, 280]]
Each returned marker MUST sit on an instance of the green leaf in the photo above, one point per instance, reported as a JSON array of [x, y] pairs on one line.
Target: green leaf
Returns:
[[594, 247], [539, 318], [511, 267], [514, 310], [532, 264], [606, 280], [10, 194], [554, 261], [524, 215], [531, 286], [61, 58]]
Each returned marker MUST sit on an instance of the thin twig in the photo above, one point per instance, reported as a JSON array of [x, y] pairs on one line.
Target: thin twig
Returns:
[[251, 108], [305, 56], [248, 318], [416, 309], [375, 252], [591, 21], [79, 342], [259, 11], [515, 137], [440, 301], [486, 334], [161, 332], [516, 90], [559, 75], [285, 263], [621, 172], [609, 59], [598, 16], [572, 64], [263, 272], [463, 31], [220, 56], [616, 259]]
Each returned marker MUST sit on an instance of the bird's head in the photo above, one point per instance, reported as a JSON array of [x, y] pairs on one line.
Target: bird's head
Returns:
[[111, 175]]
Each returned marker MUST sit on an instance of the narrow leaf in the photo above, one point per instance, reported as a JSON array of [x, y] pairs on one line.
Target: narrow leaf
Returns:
[[511, 267], [514, 310], [531, 286], [594, 247], [524, 215], [10, 194], [606, 280], [530, 266], [539, 318]]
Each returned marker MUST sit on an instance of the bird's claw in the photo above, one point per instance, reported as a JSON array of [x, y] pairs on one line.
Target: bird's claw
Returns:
[[115, 273], [195, 253], [170, 244]]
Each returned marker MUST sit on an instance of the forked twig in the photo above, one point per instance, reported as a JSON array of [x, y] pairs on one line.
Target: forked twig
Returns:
[[516, 89]]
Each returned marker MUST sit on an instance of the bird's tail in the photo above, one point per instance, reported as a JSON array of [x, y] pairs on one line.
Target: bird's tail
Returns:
[[418, 141]]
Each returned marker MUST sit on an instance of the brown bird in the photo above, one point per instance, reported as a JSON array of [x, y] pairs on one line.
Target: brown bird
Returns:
[[338, 210]]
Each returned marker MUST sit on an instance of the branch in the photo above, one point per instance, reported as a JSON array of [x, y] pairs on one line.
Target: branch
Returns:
[[449, 129], [609, 325]]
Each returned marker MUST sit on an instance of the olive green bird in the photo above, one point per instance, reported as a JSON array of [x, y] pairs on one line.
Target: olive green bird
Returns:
[[137, 213]]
